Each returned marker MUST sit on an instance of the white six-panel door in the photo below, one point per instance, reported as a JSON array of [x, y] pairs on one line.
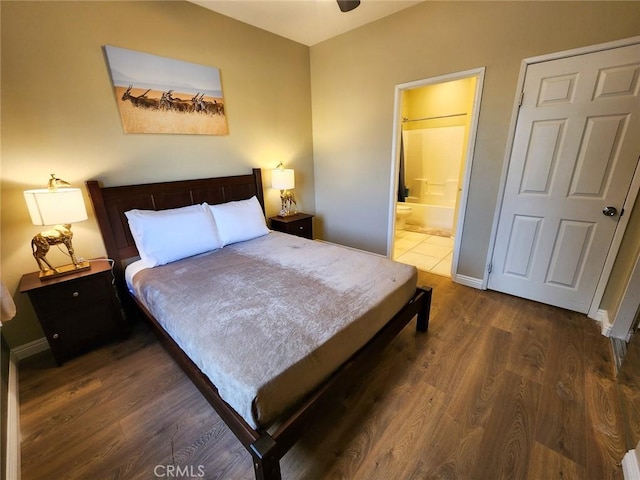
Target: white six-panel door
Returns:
[[576, 147]]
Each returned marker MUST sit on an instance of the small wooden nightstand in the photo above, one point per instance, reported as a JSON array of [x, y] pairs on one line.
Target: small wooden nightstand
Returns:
[[299, 224], [77, 311]]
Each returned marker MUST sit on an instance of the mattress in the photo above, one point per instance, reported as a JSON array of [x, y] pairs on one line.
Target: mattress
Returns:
[[268, 320]]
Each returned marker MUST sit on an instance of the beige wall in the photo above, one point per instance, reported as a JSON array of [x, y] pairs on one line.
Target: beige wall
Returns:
[[59, 112], [353, 77]]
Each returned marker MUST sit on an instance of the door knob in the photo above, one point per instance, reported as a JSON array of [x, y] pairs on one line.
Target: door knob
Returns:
[[609, 211]]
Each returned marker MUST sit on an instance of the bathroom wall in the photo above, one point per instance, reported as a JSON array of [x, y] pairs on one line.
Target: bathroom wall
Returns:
[[433, 157], [435, 147]]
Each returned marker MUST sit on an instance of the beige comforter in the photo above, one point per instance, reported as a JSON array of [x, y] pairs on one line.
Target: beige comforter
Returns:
[[269, 319]]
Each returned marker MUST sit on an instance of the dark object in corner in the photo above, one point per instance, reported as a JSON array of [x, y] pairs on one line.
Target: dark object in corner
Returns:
[[348, 5]]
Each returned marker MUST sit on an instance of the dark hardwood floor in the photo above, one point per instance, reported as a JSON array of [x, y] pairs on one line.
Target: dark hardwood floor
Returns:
[[629, 385], [499, 388]]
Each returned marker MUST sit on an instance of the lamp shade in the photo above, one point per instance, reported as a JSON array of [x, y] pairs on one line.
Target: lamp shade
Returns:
[[283, 179], [53, 207]]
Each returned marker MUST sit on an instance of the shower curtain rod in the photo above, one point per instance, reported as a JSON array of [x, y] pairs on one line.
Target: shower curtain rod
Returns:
[[405, 119]]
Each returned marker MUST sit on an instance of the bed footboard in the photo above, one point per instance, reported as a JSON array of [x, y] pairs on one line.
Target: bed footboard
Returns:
[[266, 458], [422, 324]]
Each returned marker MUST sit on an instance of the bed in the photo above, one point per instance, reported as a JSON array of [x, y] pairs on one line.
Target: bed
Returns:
[[285, 309]]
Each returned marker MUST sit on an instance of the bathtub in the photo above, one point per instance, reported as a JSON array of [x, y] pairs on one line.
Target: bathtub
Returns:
[[430, 215]]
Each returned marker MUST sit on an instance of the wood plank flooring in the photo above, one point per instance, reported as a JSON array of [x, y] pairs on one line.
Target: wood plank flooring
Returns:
[[629, 385], [499, 388]]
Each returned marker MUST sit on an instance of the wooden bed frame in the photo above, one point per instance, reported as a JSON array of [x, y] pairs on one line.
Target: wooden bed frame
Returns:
[[266, 448]]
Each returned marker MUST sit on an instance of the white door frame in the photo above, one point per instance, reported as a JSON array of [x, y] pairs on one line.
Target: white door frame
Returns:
[[395, 155], [594, 309]]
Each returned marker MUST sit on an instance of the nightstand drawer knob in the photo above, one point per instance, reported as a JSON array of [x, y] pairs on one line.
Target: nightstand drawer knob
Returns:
[[76, 294], [56, 336]]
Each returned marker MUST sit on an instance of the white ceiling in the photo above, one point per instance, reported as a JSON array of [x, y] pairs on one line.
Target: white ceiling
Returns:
[[304, 21]]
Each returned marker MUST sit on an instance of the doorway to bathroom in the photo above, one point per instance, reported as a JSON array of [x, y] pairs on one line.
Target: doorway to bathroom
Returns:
[[434, 136]]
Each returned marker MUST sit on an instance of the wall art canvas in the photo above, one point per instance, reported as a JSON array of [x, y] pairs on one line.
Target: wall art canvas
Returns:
[[162, 95]]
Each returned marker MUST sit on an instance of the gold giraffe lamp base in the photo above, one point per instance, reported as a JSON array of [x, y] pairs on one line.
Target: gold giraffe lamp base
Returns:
[[43, 241], [63, 270]]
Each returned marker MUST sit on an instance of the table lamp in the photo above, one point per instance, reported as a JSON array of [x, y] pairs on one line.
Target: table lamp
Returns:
[[59, 205], [283, 179]]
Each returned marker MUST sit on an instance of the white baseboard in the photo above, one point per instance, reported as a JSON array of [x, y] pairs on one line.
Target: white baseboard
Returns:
[[606, 326], [31, 348], [601, 316], [630, 467], [468, 281], [12, 468]]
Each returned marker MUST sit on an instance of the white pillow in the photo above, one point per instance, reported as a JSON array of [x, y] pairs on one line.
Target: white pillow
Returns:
[[239, 221], [165, 236]]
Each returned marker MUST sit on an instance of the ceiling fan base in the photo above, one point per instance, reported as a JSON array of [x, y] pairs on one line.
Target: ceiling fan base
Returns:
[[347, 5]]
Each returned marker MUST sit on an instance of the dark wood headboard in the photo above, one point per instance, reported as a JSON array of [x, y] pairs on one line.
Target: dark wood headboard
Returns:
[[110, 203]]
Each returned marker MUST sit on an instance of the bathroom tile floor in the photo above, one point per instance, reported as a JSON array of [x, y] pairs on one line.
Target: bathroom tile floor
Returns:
[[429, 253]]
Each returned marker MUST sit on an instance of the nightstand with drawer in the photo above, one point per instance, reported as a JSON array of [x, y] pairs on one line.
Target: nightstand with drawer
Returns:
[[299, 224], [77, 311]]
